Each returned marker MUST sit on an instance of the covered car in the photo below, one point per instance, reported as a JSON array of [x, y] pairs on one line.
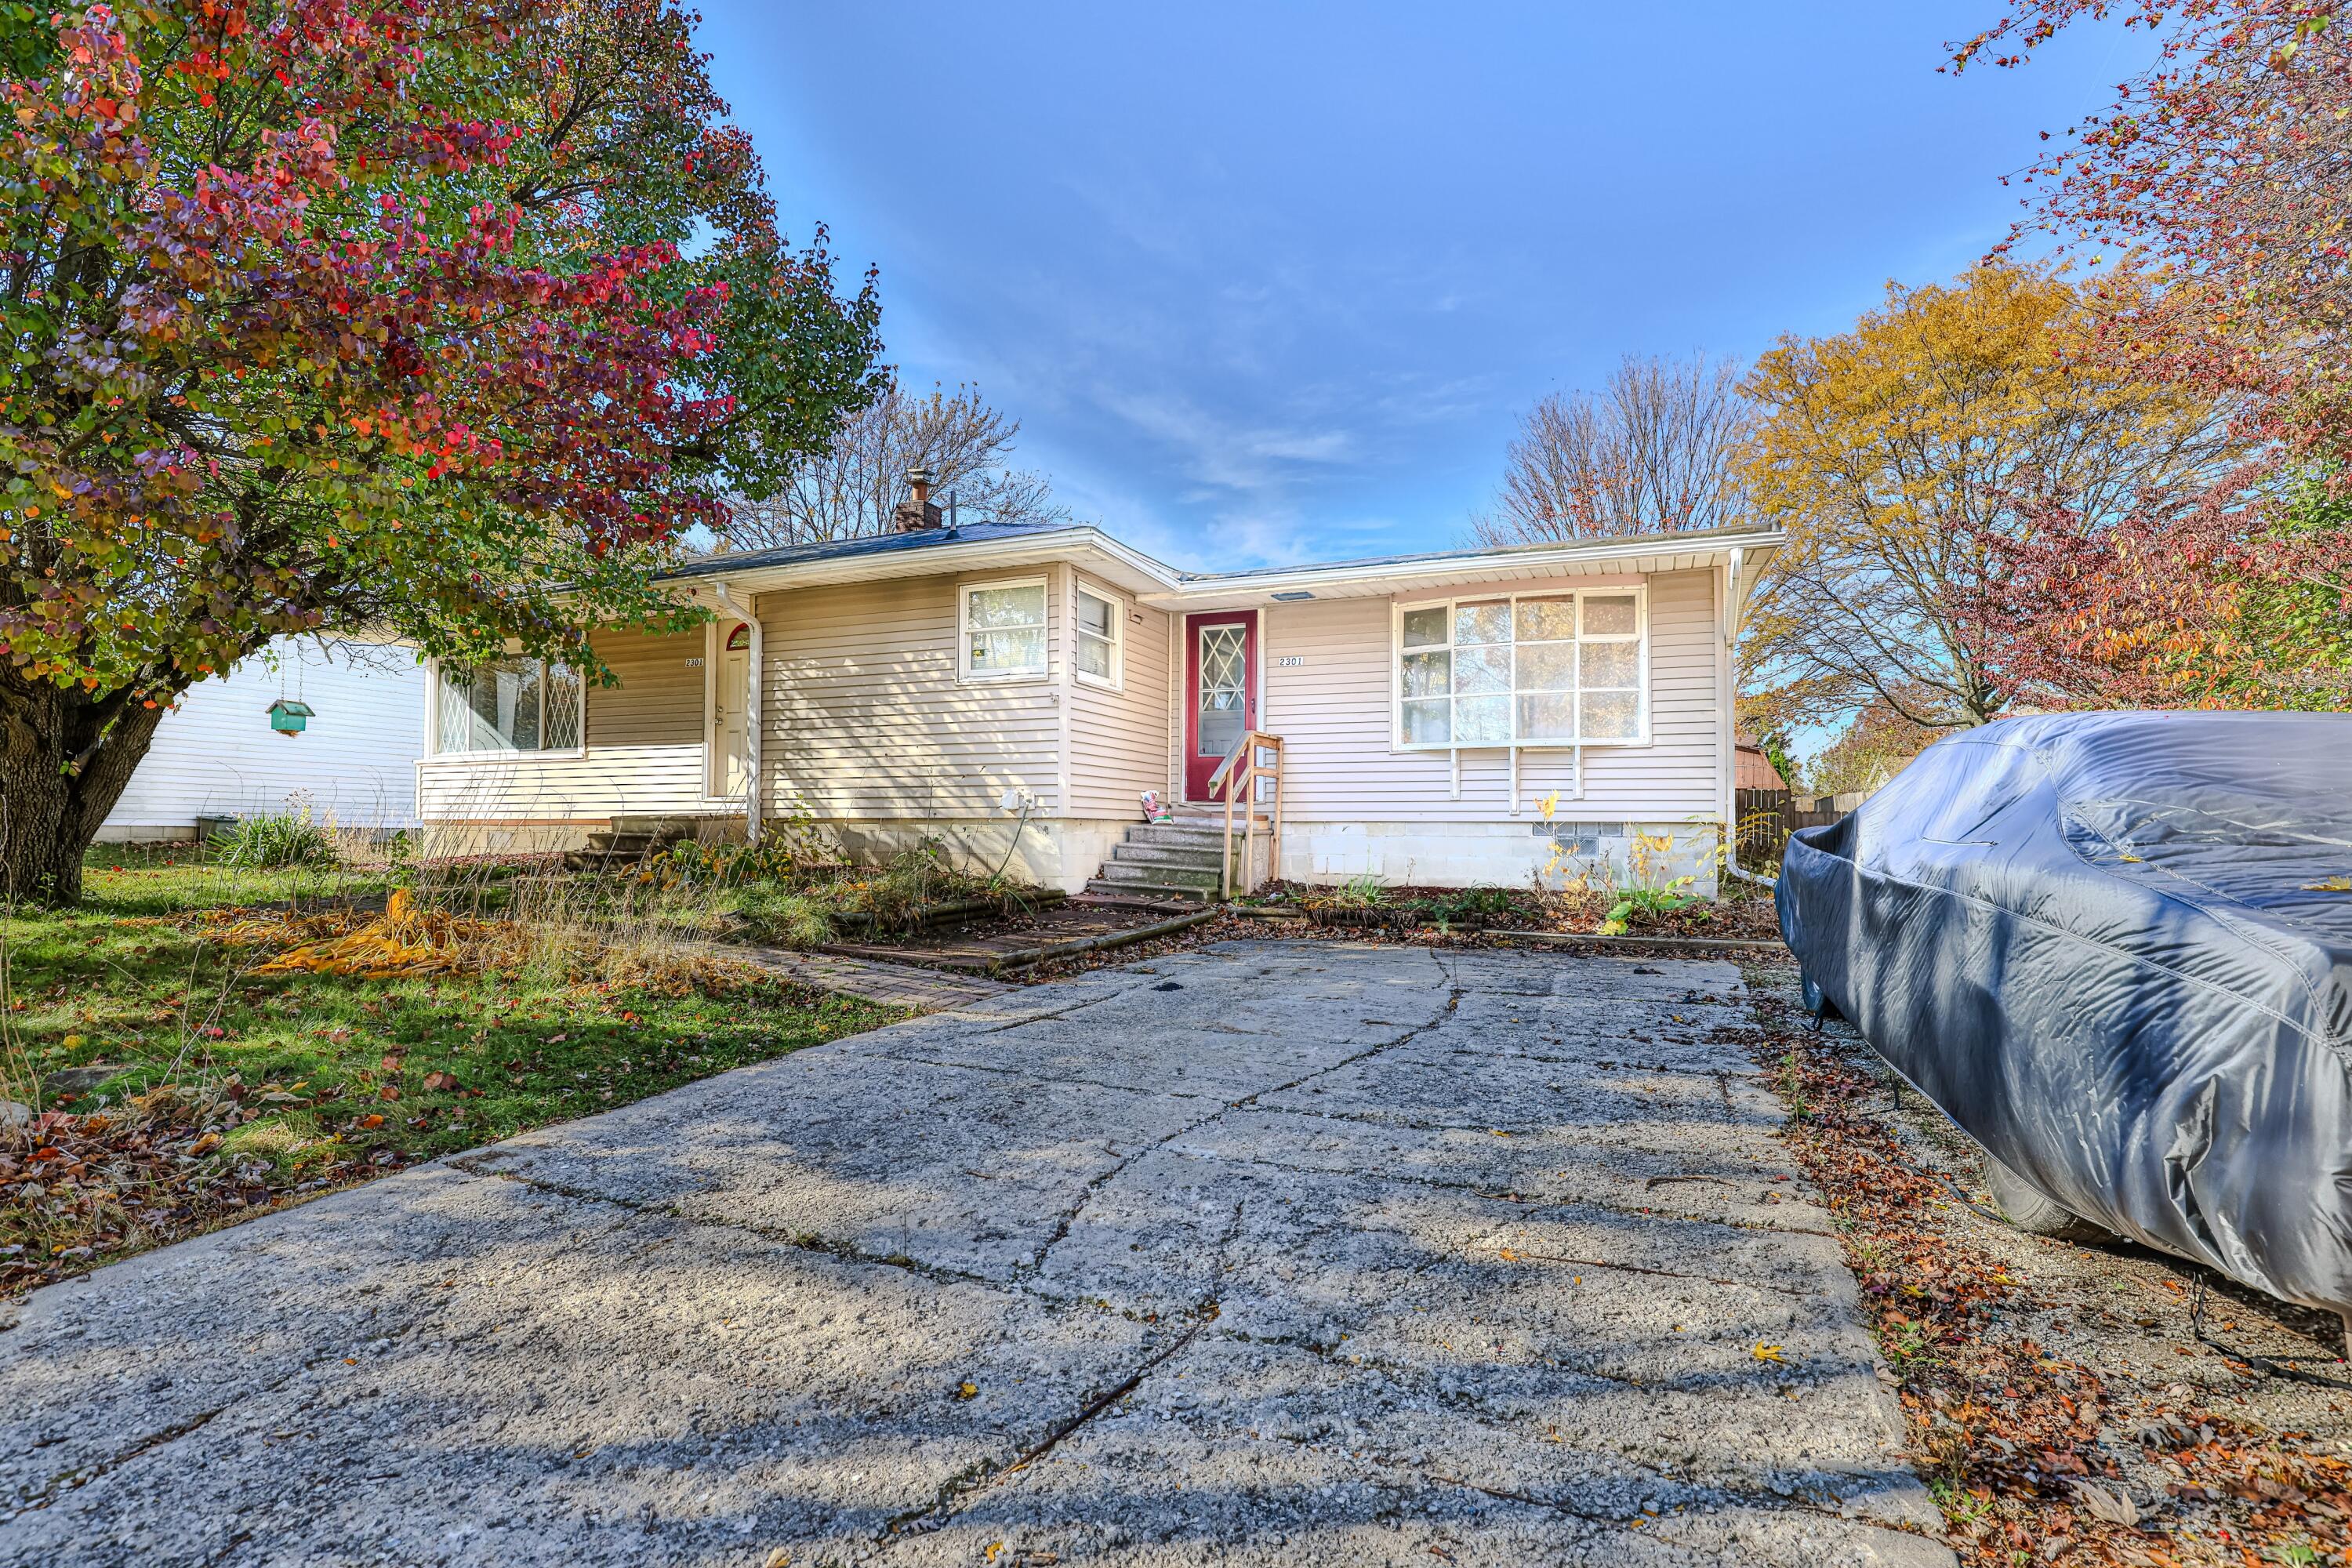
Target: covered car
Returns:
[[2116, 950]]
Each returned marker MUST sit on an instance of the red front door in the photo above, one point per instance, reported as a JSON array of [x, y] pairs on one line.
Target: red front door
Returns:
[[1220, 691]]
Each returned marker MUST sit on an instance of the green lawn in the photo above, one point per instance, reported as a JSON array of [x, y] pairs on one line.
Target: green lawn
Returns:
[[238, 1091]]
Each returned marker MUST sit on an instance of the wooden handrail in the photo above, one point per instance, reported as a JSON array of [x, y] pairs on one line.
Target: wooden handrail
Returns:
[[1231, 758], [1243, 781]]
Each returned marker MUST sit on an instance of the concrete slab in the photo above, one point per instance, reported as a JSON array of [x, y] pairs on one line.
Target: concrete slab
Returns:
[[1266, 1253]]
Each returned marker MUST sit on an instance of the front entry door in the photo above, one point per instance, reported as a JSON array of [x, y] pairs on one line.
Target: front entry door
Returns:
[[729, 698], [1220, 691]]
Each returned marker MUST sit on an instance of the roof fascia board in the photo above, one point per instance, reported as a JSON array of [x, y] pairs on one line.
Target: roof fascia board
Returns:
[[1714, 548], [1155, 583], [1127, 568]]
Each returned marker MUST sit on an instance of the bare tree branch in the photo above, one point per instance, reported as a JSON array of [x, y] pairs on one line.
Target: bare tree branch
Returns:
[[851, 491], [1653, 451]]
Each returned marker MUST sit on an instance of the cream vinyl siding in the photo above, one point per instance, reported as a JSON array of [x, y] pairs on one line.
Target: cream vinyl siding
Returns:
[[659, 700], [1333, 710], [1119, 741], [644, 755], [861, 716]]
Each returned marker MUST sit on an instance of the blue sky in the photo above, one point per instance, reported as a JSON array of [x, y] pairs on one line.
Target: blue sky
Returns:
[[1272, 282]]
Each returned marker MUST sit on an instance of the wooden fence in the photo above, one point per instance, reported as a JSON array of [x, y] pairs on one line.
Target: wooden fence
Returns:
[[1767, 818]]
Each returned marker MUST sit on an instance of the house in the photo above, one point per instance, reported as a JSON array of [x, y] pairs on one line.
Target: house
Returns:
[[351, 758], [1755, 768], [1459, 717]]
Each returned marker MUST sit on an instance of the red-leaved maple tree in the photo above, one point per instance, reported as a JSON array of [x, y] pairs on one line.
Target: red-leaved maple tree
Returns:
[[441, 319], [2223, 173]]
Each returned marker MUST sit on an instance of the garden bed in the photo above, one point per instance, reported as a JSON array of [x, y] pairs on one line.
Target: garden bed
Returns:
[[1743, 914]]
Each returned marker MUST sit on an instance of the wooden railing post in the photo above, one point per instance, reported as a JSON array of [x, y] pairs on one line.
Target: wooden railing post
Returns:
[[1274, 839], [1237, 775], [1225, 845]]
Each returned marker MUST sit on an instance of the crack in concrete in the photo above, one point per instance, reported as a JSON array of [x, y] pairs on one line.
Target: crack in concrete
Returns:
[[97, 1469], [1603, 1064], [1531, 1205], [1037, 1077], [960, 1489], [804, 1241], [1070, 1216]]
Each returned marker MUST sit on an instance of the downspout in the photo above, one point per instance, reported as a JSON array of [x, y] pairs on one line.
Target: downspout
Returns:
[[756, 664], [1731, 606]]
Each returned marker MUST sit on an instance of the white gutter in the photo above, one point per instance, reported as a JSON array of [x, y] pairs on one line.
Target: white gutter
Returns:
[[757, 665], [945, 556], [1171, 588], [1515, 557]]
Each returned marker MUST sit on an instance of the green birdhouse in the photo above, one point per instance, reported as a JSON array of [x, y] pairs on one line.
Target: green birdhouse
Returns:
[[289, 716]]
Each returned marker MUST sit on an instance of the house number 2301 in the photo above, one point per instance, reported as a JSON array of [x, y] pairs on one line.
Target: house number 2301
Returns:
[[1285, 661]]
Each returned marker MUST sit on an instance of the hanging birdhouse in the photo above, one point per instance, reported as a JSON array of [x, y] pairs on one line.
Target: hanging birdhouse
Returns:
[[289, 716]]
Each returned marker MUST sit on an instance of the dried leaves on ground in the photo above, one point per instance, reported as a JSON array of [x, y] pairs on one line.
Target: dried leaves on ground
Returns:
[[2035, 1454]]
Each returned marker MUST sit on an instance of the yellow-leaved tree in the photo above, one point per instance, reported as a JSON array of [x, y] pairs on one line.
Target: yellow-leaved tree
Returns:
[[1899, 454]]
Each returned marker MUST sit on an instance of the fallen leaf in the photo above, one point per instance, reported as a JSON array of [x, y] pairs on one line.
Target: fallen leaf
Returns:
[[371, 1121], [389, 1091], [2107, 1503], [1767, 1353], [206, 1145], [439, 1081], [967, 1391]]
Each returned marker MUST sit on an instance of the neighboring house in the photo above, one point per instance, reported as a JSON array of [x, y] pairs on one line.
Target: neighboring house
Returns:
[[905, 687], [1756, 770], [353, 762]]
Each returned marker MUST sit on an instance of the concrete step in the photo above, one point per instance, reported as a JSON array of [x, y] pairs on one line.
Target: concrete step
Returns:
[[1160, 876], [1206, 816], [1198, 856], [619, 843], [1184, 832], [1124, 892]]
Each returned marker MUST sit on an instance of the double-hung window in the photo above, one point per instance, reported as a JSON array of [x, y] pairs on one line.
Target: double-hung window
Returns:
[[1095, 645], [1001, 630], [1525, 669], [508, 705]]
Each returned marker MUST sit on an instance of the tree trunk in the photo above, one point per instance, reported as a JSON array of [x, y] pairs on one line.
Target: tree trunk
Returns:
[[61, 770]]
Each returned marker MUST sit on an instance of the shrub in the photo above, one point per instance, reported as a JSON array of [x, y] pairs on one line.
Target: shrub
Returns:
[[770, 914], [287, 839], [1365, 892], [1648, 906]]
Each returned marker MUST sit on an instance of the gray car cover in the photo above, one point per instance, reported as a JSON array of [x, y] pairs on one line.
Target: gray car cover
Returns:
[[2117, 949]]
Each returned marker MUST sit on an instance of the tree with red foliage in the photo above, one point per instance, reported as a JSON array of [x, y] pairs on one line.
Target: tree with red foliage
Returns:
[[441, 319], [2223, 173]]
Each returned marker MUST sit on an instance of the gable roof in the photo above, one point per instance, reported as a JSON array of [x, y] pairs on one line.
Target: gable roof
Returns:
[[735, 562], [987, 546]]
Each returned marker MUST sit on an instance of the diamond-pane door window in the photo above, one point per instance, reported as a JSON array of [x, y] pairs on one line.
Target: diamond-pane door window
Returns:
[[1223, 685]]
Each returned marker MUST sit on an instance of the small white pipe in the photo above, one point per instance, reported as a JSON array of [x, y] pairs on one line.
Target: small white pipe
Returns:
[[1514, 781], [1455, 753], [756, 663]]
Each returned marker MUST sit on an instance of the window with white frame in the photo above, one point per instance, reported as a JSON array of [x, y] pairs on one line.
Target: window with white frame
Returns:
[[508, 705], [1095, 648], [1001, 633], [1523, 670]]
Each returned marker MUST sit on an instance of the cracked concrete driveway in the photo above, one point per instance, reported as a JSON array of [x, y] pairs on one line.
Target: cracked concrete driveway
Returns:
[[1267, 1253]]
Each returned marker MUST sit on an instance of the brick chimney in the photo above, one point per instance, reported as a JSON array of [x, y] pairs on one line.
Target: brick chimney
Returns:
[[917, 512]]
